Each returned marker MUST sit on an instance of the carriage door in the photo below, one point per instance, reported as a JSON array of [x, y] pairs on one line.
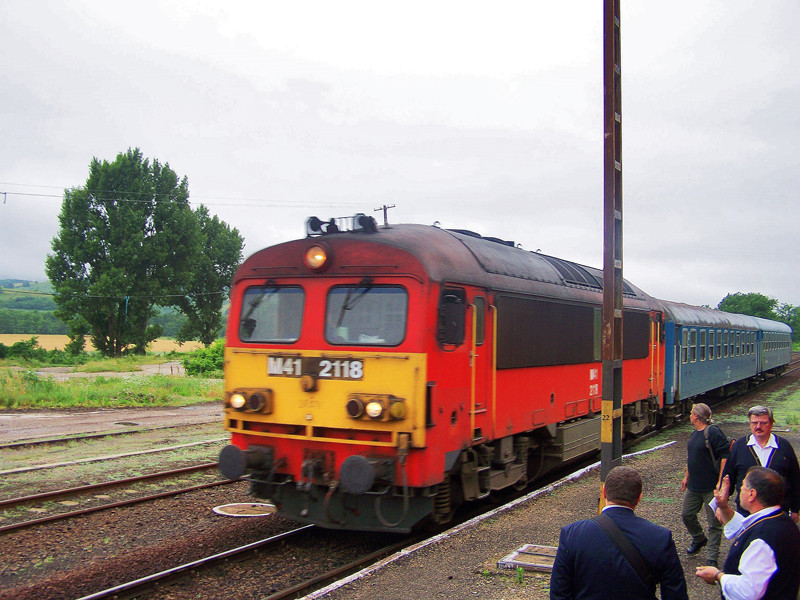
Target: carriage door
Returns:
[[480, 335]]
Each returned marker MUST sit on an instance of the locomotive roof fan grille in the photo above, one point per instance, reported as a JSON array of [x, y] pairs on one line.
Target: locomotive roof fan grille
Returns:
[[578, 275]]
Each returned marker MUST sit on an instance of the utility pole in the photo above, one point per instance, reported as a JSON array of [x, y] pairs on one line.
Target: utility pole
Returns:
[[611, 426]]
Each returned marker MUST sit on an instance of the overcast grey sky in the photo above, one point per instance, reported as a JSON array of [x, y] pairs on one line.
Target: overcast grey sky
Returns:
[[483, 116]]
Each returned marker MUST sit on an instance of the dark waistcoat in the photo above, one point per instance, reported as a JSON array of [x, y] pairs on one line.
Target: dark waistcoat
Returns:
[[781, 534]]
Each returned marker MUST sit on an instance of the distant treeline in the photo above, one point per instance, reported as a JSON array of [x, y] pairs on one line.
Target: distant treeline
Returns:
[[43, 322], [26, 307]]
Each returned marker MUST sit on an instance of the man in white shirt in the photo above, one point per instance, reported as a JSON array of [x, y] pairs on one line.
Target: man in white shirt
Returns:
[[765, 449], [762, 562]]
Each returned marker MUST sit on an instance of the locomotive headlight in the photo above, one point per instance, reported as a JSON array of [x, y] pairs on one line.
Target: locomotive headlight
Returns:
[[238, 401], [374, 409], [316, 257]]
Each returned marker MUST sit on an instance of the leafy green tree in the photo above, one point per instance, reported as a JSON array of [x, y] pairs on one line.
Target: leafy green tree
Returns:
[[125, 245], [753, 304], [210, 281], [791, 316]]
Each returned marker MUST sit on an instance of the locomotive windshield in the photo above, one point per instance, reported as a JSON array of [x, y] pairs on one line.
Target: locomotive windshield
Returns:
[[366, 314], [271, 313]]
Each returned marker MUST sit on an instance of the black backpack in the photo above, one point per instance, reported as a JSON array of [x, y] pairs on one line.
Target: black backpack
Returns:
[[714, 458]]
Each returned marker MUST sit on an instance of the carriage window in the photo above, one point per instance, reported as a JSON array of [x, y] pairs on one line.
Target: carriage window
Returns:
[[711, 345], [693, 345], [271, 313], [703, 344], [719, 343], [366, 314], [685, 345]]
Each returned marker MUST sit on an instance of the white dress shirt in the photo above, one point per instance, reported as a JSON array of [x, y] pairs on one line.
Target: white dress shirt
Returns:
[[756, 565], [765, 452]]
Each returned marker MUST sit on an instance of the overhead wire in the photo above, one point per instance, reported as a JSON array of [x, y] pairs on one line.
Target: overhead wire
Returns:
[[129, 196]]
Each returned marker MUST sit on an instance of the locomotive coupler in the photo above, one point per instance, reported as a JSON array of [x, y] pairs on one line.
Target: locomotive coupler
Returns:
[[307, 470]]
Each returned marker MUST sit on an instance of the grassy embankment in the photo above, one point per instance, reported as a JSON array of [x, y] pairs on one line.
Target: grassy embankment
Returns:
[[27, 385]]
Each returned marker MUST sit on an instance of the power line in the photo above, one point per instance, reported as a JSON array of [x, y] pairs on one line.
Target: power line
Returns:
[[129, 196], [120, 297]]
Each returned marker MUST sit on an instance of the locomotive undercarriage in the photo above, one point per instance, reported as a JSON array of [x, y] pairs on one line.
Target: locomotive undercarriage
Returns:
[[386, 508], [365, 495]]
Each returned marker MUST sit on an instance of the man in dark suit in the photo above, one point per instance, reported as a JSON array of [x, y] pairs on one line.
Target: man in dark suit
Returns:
[[590, 565]]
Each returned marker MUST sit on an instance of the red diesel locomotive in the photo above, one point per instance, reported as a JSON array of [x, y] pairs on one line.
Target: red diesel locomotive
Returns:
[[380, 376]]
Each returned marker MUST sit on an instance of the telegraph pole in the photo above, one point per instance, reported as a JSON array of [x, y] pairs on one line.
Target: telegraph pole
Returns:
[[611, 427]]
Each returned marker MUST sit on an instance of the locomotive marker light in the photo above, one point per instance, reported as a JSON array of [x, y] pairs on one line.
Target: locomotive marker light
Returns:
[[316, 257], [355, 408], [308, 383]]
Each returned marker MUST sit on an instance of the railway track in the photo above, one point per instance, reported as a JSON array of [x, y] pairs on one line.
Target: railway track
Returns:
[[142, 586], [82, 491], [794, 365], [109, 457], [91, 436]]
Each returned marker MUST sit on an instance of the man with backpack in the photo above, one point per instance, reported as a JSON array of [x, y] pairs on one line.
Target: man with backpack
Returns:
[[708, 450]]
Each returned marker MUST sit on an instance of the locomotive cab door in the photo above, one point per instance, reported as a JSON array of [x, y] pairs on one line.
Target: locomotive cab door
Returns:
[[465, 333], [480, 330]]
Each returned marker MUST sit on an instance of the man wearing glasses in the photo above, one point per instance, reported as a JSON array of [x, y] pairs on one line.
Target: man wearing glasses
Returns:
[[762, 562], [765, 449]]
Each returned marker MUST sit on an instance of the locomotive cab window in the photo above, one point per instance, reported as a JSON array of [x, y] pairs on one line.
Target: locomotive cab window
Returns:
[[271, 313], [366, 315], [451, 317]]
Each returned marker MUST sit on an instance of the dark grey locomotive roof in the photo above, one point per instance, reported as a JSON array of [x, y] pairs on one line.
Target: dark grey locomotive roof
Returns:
[[461, 256]]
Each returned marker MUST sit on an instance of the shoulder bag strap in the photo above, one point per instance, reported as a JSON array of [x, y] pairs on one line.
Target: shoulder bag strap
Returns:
[[714, 458], [629, 551]]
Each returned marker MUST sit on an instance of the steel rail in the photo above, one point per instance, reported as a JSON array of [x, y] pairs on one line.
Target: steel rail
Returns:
[[130, 587], [86, 511], [98, 486], [90, 436], [82, 461], [316, 582]]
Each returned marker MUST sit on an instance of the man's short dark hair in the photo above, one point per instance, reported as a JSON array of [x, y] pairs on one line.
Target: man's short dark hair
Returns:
[[768, 484], [623, 485]]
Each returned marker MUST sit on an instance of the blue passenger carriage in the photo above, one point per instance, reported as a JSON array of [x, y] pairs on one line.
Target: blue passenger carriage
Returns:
[[707, 350], [714, 351], [775, 346]]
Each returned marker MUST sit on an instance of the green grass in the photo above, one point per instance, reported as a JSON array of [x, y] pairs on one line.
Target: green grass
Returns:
[[26, 390], [121, 365]]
